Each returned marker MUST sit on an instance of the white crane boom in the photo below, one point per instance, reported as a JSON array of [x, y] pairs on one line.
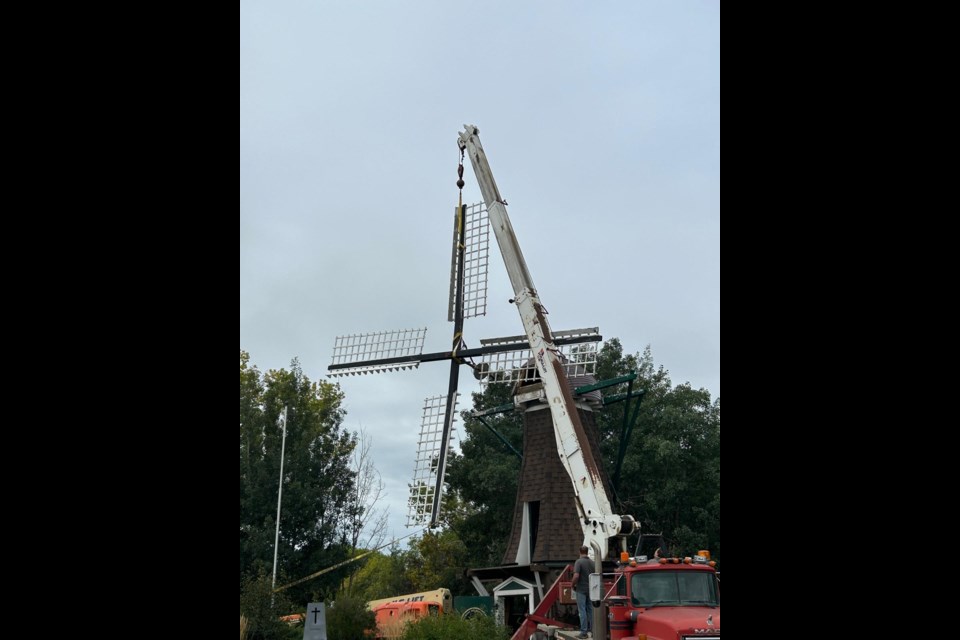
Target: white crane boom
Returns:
[[597, 519]]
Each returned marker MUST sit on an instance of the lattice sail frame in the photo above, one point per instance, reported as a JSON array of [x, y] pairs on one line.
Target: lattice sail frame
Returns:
[[376, 346], [424, 483], [476, 263], [513, 366]]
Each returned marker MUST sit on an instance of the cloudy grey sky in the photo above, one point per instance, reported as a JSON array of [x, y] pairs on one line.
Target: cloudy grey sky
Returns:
[[601, 122]]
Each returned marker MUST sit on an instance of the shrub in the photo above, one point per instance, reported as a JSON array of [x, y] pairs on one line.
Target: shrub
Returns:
[[349, 619], [451, 626], [262, 609]]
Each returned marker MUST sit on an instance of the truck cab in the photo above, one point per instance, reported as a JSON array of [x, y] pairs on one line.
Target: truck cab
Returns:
[[667, 598]]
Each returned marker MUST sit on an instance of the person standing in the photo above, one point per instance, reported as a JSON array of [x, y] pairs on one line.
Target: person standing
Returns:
[[581, 586]]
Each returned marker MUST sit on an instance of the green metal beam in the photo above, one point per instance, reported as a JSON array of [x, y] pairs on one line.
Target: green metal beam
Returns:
[[489, 412], [629, 424], [626, 429], [620, 397], [603, 384], [502, 439], [622, 450]]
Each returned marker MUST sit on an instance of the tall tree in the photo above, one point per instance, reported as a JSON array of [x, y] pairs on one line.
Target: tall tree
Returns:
[[366, 519], [483, 479], [437, 560], [670, 479], [383, 575], [317, 478]]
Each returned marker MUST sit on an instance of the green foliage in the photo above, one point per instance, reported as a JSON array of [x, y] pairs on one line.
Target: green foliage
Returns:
[[670, 479], [318, 481], [349, 619], [263, 609], [484, 480], [450, 626], [382, 576], [437, 560]]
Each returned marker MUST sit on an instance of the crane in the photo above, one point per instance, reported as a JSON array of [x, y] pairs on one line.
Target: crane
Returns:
[[597, 519]]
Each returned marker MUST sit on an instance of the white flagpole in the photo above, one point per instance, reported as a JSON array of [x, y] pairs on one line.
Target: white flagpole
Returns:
[[276, 537]]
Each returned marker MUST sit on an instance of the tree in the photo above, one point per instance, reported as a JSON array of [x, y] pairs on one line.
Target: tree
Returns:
[[366, 522], [318, 480], [259, 605], [437, 560], [670, 478], [483, 479], [672, 469], [349, 619], [382, 576]]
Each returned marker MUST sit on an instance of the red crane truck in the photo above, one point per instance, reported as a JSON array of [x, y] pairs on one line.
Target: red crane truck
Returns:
[[663, 599]]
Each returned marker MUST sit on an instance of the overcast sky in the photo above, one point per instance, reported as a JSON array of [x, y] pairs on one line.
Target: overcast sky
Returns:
[[601, 122]]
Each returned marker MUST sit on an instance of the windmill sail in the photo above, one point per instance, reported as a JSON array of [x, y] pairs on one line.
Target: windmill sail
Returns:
[[578, 358], [429, 446], [353, 354], [476, 263]]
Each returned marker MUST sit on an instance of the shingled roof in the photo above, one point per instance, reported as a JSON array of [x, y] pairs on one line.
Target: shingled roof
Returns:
[[545, 484]]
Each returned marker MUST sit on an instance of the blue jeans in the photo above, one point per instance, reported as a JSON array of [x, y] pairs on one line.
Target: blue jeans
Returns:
[[586, 612]]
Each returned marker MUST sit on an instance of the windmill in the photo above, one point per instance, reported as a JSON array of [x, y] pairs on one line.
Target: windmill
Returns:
[[505, 359]]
